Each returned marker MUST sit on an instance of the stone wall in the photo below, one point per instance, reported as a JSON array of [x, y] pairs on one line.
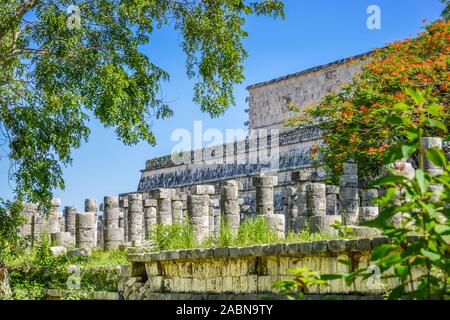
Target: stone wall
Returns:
[[245, 271], [269, 101]]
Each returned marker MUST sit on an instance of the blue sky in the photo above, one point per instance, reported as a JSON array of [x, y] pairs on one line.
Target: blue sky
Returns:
[[313, 33]]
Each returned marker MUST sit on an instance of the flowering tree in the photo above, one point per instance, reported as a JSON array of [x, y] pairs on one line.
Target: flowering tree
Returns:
[[363, 120]]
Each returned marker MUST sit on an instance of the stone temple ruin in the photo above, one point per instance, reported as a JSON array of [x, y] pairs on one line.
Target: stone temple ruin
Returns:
[[292, 196], [168, 191]]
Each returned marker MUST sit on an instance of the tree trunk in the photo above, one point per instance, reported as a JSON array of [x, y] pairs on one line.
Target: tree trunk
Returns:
[[5, 289]]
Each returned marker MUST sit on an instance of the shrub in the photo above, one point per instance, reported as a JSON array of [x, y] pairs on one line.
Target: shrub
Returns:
[[362, 121]]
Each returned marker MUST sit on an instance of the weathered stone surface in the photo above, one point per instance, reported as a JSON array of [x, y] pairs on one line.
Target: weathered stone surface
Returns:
[[83, 252], [324, 224], [332, 189], [262, 181], [367, 214], [161, 193], [428, 143], [365, 232], [135, 217], [69, 219], [299, 248], [319, 246], [264, 194], [90, 205], [230, 205], [64, 239], [199, 211], [336, 245], [113, 238], [150, 203], [367, 196], [111, 212], [316, 204], [277, 224], [58, 251], [202, 190], [86, 230]]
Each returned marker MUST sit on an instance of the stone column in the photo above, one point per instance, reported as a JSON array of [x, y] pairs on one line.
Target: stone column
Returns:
[[264, 194], [123, 221], [69, 219], [316, 209], [100, 231], [229, 203], [149, 217], [177, 209], [29, 210], [277, 223], [90, 205], [39, 226], [113, 233], [406, 170], [265, 204], [163, 205], [446, 148], [86, 228], [198, 203], [302, 179], [135, 213], [214, 216], [111, 212], [113, 238], [210, 191], [368, 210], [53, 217], [292, 209], [367, 195], [434, 170], [63, 239], [183, 197], [332, 202], [348, 193]]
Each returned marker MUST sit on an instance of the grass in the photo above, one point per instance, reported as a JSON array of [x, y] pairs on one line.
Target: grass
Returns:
[[40, 255], [251, 232]]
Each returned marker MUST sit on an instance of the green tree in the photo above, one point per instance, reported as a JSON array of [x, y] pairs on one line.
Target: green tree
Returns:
[[61, 60], [359, 121], [421, 264]]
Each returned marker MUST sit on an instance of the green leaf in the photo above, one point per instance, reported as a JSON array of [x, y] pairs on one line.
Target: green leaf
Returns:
[[381, 251], [401, 271], [421, 181], [437, 124], [412, 133], [397, 292], [408, 149], [436, 156], [329, 277], [396, 120], [434, 109], [401, 106], [416, 96], [393, 155], [442, 229], [433, 256]]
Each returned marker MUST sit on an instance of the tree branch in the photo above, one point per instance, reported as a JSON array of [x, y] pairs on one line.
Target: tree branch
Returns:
[[18, 14]]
